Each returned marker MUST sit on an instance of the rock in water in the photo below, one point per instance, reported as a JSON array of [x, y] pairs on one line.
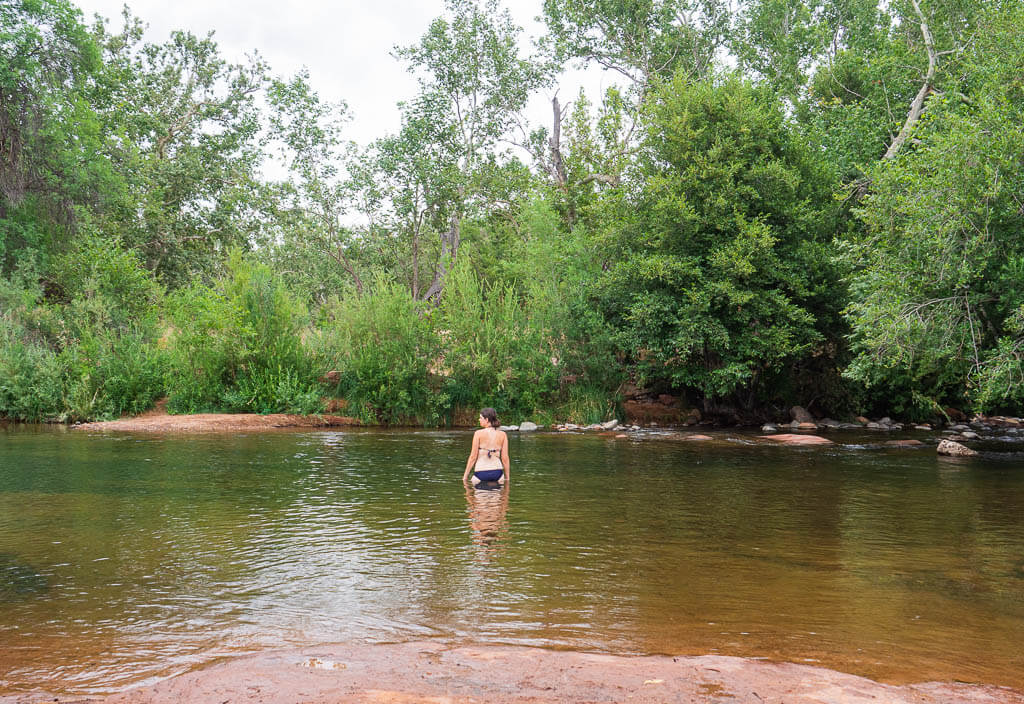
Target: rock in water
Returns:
[[610, 425], [791, 439], [527, 426], [955, 449]]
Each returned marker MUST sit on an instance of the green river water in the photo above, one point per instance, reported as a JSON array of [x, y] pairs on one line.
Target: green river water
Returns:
[[128, 558]]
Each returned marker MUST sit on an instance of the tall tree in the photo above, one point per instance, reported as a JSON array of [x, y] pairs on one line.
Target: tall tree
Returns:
[[51, 155], [317, 196], [937, 298], [717, 277], [187, 129], [473, 84]]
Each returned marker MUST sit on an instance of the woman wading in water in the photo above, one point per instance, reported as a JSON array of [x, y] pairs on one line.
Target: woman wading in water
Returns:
[[490, 451]]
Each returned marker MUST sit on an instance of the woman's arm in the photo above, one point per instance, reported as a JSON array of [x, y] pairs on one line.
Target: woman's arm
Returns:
[[504, 453], [472, 455]]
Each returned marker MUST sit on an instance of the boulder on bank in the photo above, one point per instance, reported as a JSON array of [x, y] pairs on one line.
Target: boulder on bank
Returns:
[[955, 449], [800, 415], [527, 427]]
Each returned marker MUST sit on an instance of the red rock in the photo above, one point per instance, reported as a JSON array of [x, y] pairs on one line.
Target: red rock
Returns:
[[954, 414], [800, 415], [403, 673], [793, 439]]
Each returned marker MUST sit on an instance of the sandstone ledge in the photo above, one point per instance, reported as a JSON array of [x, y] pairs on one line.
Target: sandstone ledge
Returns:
[[433, 672]]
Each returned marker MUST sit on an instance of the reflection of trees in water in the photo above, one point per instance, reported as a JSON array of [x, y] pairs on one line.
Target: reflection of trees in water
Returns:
[[488, 518]]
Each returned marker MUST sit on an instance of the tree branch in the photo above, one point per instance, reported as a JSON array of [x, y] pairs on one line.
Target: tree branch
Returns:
[[917, 105]]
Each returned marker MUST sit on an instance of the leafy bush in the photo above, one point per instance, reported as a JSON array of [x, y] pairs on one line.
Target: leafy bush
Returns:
[[384, 347], [499, 352], [237, 345], [31, 387]]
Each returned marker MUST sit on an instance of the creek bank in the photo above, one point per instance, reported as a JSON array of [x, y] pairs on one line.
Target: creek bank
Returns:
[[433, 672], [217, 423]]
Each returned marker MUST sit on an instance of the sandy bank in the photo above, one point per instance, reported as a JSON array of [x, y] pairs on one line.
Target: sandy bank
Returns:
[[432, 672], [162, 422]]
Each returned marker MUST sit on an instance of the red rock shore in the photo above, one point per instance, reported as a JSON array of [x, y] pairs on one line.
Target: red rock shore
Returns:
[[433, 672]]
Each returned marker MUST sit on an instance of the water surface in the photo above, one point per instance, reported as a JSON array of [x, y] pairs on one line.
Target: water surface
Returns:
[[127, 558]]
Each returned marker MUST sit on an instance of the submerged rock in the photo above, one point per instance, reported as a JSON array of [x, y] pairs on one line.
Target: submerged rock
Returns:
[[904, 443], [793, 439], [19, 580], [955, 449]]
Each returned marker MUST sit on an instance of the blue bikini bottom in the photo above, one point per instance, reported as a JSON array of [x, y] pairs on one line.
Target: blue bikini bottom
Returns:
[[489, 475]]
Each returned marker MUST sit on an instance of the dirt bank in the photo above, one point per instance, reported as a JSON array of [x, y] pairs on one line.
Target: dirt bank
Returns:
[[431, 672], [159, 421]]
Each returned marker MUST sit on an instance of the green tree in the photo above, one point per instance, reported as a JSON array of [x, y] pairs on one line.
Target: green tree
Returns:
[[717, 277], [315, 243], [936, 300], [50, 139], [186, 129], [473, 85]]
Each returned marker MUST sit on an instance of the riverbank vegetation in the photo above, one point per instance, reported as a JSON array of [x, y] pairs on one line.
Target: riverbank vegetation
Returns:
[[810, 202]]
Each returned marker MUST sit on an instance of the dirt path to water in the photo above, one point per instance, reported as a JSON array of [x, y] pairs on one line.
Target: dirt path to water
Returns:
[[431, 672]]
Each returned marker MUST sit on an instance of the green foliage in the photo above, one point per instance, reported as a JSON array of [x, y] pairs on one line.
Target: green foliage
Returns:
[[185, 128], [385, 349], [237, 345], [643, 40], [710, 286], [683, 231], [31, 385], [91, 357], [50, 134], [936, 296]]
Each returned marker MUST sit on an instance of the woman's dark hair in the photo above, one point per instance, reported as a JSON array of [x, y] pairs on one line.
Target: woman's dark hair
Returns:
[[491, 416]]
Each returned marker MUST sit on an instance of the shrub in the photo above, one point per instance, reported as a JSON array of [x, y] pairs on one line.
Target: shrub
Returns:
[[237, 346], [384, 346]]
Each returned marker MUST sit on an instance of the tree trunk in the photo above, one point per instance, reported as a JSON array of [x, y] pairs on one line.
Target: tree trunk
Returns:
[[558, 163], [917, 104], [449, 252]]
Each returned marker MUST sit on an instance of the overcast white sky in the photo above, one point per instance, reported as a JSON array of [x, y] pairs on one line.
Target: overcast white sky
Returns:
[[345, 45]]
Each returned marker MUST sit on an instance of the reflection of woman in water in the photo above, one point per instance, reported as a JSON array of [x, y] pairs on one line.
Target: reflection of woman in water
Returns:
[[487, 518], [488, 460]]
